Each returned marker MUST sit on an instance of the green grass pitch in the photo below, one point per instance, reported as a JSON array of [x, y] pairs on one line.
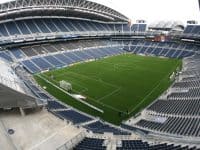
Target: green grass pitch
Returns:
[[120, 85]]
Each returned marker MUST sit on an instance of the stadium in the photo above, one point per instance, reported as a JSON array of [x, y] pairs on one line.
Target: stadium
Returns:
[[79, 75]]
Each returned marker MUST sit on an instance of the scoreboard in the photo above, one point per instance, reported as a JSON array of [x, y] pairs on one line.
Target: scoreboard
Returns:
[[162, 38]]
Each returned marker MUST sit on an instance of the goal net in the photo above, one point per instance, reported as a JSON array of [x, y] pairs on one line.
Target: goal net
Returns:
[[66, 85]]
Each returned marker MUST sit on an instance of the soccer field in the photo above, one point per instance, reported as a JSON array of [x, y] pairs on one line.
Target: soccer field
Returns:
[[121, 85]]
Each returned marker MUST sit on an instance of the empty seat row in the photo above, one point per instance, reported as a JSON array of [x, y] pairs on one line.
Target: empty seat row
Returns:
[[54, 105], [182, 95], [73, 116], [176, 107], [187, 84], [174, 125], [58, 25], [90, 144], [99, 127], [192, 29], [38, 64], [141, 145], [29, 51], [172, 50]]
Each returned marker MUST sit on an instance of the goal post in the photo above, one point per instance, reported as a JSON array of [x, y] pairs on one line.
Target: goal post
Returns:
[[66, 85]]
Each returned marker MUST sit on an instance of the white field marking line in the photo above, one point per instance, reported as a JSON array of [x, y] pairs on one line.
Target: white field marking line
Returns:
[[96, 75], [157, 84], [62, 90], [98, 80], [101, 81], [99, 101], [127, 68], [117, 66], [115, 91], [123, 65], [43, 77], [84, 88], [153, 89], [106, 83], [105, 105], [56, 82], [96, 101]]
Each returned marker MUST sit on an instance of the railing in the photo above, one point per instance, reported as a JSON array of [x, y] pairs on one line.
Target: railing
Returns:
[[54, 35], [35, 36], [193, 35]]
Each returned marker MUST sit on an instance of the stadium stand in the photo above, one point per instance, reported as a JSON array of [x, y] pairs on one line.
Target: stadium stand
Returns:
[[90, 143], [38, 28], [48, 56], [38, 36], [171, 50], [64, 59], [138, 145], [99, 127], [58, 25], [192, 29], [73, 116], [139, 27]]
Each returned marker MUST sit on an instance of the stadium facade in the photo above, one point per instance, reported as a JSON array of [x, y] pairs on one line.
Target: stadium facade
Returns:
[[43, 35]]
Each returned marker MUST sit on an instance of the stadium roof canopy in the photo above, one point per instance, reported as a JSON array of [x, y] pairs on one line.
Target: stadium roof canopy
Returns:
[[13, 99], [66, 8], [12, 90]]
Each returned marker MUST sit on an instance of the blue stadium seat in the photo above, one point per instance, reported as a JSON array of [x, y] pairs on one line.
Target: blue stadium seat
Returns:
[[90, 144], [5, 55], [24, 29], [17, 53], [31, 25], [40, 62], [73, 116], [52, 60], [12, 28], [54, 105], [30, 66]]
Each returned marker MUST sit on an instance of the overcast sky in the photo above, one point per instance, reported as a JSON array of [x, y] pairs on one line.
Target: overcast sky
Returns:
[[154, 10]]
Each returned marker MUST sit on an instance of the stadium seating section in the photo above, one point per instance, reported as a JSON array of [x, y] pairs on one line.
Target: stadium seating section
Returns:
[[99, 127], [42, 57], [90, 144], [139, 144], [32, 44], [192, 29], [165, 49], [138, 27], [99, 144], [60, 25]]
